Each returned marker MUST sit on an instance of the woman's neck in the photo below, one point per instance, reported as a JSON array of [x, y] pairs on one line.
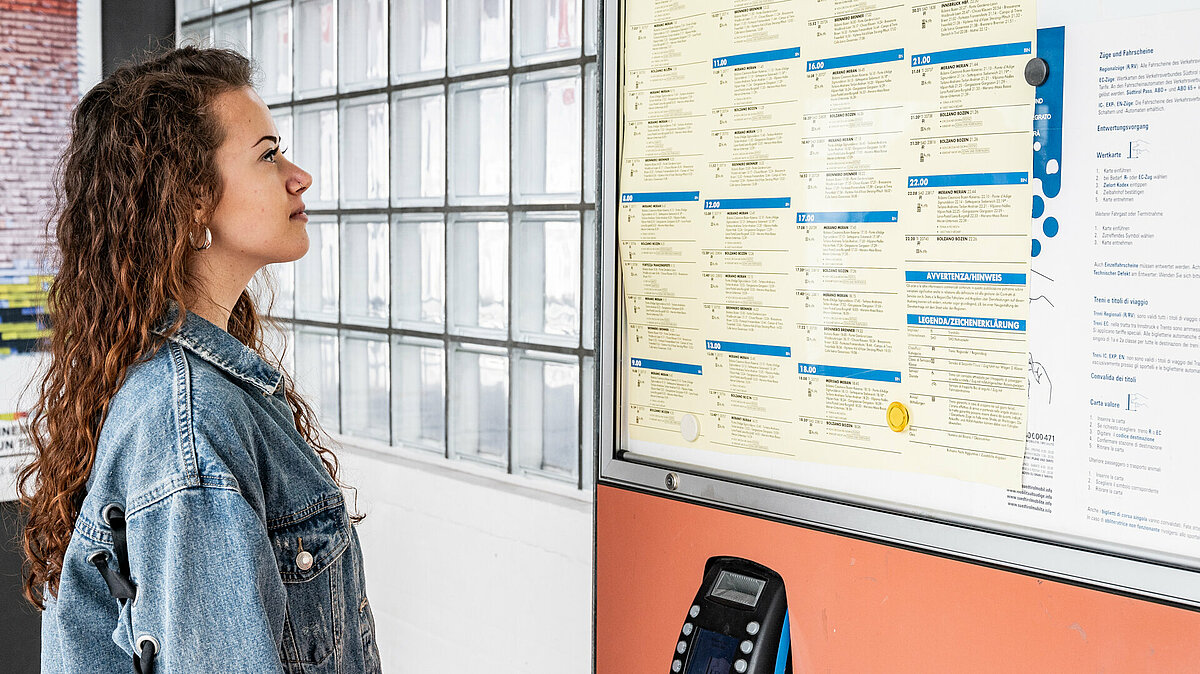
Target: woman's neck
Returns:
[[211, 311], [219, 280]]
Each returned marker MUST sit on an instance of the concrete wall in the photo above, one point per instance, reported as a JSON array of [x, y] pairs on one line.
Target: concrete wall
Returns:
[[468, 574]]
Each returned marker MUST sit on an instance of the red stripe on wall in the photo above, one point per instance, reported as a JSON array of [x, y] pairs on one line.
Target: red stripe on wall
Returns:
[[864, 607]]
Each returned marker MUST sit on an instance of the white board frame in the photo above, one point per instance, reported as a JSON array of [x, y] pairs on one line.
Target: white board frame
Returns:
[[1135, 572]]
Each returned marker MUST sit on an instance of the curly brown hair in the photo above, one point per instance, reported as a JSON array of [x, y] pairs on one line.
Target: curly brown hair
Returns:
[[140, 159]]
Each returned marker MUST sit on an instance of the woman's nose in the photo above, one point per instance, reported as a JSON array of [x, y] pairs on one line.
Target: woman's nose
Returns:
[[299, 181]]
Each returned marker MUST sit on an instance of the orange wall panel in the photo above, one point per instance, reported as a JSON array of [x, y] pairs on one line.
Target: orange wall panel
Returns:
[[865, 607]]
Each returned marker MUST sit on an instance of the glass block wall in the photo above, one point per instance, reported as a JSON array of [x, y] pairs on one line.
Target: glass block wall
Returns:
[[446, 302]]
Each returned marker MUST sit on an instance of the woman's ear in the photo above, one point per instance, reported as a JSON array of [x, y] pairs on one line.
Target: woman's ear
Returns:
[[201, 212]]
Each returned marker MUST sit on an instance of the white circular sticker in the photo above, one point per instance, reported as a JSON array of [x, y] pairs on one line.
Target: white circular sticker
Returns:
[[689, 427]]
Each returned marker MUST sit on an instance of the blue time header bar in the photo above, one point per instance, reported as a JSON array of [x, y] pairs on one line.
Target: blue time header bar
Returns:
[[969, 180], [886, 56], [971, 54], [840, 372], [665, 366], [756, 57], [727, 204], [655, 197], [755, 349], [848, 216]]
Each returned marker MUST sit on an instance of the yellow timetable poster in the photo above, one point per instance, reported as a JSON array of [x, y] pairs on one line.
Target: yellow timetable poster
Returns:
[[825, 211]]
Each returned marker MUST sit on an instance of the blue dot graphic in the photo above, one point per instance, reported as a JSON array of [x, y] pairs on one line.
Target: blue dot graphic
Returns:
[[1037, 247], [1050, 227], [1039, 206]]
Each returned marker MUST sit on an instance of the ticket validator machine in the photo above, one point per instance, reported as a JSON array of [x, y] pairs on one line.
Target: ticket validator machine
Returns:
[[737, 624]]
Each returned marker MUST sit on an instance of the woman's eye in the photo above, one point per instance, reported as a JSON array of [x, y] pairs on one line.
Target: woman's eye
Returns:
[[270, 155]]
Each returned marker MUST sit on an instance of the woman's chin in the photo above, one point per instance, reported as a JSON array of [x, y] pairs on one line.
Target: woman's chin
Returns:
[[296, 249]]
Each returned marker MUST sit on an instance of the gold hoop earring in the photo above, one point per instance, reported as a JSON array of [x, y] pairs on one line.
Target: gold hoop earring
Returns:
[[207, 240]]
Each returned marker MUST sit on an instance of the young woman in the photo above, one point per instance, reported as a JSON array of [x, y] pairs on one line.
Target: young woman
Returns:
[[183, 514]]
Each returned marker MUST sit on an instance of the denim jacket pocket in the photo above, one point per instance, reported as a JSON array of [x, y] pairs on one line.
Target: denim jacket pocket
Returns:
[[309, 546]]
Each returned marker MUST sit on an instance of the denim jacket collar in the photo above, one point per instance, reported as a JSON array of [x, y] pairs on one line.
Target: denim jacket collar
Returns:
[[221, 349]]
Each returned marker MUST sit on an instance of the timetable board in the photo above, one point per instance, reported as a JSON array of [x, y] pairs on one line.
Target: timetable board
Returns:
[[777, 277], [824, 217]]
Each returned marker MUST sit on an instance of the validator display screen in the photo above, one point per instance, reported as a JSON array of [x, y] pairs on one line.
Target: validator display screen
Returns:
[[712, 653]]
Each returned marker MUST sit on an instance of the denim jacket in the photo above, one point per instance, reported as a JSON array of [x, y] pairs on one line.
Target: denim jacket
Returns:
[[222, 498]]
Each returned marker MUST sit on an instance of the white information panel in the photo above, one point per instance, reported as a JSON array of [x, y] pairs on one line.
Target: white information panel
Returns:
[[824, 211], [823, 231]]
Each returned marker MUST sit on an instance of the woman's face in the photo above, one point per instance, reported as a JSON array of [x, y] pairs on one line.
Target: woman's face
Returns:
[[260, 218]]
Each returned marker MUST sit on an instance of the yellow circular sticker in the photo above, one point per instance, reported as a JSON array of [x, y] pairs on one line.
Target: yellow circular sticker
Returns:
[[897, 416]]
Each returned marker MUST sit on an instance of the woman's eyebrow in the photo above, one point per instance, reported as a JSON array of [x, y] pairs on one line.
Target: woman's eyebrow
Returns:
[[273, 140]]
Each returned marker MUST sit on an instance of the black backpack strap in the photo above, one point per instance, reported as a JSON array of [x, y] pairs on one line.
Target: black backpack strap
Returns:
[[121, 585]]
